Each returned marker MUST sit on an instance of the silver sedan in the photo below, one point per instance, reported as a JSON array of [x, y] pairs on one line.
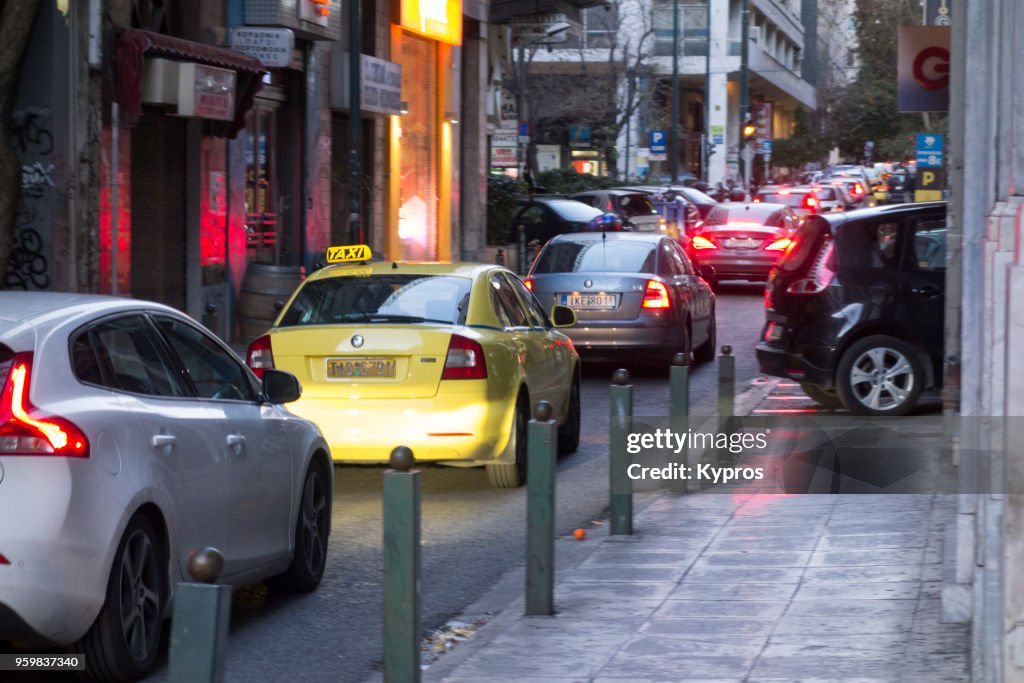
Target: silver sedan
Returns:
[[636, 296], [130, 437]]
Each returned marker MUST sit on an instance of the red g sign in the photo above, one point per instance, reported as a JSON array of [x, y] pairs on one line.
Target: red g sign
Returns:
[[923, 68]]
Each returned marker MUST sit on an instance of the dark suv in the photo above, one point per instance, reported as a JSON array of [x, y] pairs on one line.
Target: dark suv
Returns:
[[855, 308]]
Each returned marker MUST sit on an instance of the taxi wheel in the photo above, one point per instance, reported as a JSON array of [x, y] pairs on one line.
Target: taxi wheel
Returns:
[[569, 431], [124, 641], [311, 531], [512, 475]]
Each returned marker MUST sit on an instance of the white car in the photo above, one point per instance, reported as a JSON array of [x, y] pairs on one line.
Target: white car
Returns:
[[129, 437]]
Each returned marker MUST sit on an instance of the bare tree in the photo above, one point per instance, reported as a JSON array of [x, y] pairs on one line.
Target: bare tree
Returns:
[[16, 21], [599, 80]]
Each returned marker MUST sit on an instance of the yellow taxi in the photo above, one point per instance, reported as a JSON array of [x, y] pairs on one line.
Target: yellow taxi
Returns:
[[446, 358]]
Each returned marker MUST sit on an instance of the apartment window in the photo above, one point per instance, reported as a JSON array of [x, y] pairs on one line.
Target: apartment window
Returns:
[[693, 29], [599, 25]]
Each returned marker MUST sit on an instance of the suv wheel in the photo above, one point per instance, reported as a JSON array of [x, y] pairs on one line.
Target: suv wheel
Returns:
[[880, 375]]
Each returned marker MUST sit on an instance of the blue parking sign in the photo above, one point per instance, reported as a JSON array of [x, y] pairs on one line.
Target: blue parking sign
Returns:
[[657, 142], [929, 149]]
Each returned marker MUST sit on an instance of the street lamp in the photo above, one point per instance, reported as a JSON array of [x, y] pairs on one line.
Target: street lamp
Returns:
[[549, 33], [673, 135]]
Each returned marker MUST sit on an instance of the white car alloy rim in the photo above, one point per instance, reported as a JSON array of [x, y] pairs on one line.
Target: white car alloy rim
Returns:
[[882, 378]]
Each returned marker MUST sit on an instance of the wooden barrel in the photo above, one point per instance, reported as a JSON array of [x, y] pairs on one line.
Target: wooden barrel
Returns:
[[263, 287]]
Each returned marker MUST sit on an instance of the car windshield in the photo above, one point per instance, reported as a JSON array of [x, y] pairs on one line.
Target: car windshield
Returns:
[[572, 210], [826, 194], [750, 213], [599, 256], [380, 299], [631, 205], [794, 198]]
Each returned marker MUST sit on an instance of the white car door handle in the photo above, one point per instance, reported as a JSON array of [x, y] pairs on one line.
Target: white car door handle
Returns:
[[234, 440], [161, 440]]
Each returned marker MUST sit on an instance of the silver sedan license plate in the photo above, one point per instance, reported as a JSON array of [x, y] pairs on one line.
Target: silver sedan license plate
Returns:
[[741, 243], [348, 368], [589, 301]]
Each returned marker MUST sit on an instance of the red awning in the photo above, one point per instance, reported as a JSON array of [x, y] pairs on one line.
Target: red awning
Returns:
[[134, 45]]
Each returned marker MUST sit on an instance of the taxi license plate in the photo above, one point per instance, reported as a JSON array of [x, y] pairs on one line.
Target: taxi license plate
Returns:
[[740, 243], [589, 301], [347, 368]]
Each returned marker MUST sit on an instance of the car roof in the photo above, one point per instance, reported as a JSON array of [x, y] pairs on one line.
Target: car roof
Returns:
[[839, 218], [455, 268], [784, 189], [593, 236], [616, 191]]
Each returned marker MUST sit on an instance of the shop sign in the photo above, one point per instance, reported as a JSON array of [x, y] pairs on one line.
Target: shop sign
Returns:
[[437, 19], [380, 85], [206, 91], [922, 61], [503, 156], [272, 46], [580, 135]]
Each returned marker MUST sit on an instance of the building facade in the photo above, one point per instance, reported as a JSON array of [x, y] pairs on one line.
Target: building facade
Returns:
[[198, 154]]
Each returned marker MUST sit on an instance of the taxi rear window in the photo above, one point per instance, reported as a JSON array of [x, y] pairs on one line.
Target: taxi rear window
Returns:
[[387, 298]]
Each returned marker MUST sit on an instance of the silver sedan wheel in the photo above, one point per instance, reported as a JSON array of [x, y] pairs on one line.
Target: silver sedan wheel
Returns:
[[882, 378], [140, 595]]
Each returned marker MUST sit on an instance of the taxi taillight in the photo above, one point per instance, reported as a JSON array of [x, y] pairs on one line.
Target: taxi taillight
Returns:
[[23, 431], [260, 357], [465, 359]]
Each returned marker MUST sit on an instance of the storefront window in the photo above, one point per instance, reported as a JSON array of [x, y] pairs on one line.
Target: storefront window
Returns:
[[262, 244], [418, 201]]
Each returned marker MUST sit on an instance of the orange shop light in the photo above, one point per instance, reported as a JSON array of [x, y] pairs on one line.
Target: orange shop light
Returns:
[[437, 19]]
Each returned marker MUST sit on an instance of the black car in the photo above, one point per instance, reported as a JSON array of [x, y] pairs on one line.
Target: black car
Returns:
[[855, 308], [544, 217]]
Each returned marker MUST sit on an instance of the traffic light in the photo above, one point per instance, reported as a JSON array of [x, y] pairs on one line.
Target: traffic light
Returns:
[[749, 131]]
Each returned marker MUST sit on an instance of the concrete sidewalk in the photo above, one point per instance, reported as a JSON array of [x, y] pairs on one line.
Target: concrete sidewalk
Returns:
[[740, 587]]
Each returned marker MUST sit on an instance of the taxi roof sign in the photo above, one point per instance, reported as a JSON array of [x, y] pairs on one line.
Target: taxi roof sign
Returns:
[[349, 253]]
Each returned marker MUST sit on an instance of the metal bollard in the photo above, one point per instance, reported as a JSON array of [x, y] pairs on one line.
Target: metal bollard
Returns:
[[521, 265], [199, 625], [679, 411], [726, 383], [499, 257], [542, 445], [621, 410], [401, 496]]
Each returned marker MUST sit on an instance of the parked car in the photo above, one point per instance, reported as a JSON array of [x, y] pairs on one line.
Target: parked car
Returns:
[[633, 207], [446, 358], [636, 295], [544, 217], [854, 309], [132, 437], [681, 216], [748, 244]]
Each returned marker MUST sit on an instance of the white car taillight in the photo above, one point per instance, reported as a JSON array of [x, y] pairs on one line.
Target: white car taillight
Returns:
[[23, 431], [259, 356], [465, 359]]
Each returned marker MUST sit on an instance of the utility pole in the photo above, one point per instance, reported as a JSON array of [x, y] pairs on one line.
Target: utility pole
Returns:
[[744, 89], [355, 171], [673, 134], [706, 148]]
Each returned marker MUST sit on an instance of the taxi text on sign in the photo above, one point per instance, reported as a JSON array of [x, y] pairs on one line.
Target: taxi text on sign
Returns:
[[923, 68], [348, 253]]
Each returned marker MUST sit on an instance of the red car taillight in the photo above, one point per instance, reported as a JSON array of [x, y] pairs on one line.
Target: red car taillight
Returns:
[[701, 242], [465, 359], [656, 295], [4, 560], [810, 202], [23, 431], [820, 277], [529, 284], [259, 356], [779, 244]]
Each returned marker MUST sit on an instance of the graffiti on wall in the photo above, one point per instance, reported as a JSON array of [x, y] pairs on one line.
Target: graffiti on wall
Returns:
[[32, 139]]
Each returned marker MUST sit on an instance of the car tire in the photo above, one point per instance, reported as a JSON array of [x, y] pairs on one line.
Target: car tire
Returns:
[[705, 353], [137, 591], [312, 530], [510, 475], [569, 431], [827, 399], [880, 375]]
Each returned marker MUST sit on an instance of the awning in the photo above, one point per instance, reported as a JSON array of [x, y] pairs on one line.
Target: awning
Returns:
[[134, 45]]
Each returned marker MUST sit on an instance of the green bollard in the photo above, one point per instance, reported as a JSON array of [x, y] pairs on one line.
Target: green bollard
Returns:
[[726, 392], [199, 625], [542, 445], [621, 408], [521, 267], [401, 568], [679, 412]]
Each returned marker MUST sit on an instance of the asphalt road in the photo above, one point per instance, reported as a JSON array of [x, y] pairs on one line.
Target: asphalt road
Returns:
[[471, 534]]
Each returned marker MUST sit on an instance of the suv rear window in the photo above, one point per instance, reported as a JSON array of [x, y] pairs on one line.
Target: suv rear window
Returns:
[[805, 240], [636, 205]]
